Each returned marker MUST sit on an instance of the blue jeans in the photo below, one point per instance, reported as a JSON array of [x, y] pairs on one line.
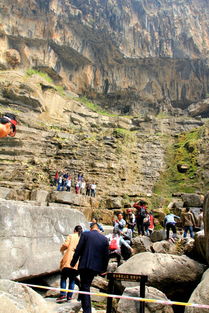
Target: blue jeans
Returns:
[[190, 229], [71, 274]]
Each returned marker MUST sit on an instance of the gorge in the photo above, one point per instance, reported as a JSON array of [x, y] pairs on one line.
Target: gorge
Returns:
[[118, 91]]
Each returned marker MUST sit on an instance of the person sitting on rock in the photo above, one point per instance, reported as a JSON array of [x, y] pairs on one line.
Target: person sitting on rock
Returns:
[[170, 223], [8, 125], [188, 222], [127, 235], [115, 243]]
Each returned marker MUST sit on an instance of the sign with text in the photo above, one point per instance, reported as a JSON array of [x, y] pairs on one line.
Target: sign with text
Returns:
[[126, 277]]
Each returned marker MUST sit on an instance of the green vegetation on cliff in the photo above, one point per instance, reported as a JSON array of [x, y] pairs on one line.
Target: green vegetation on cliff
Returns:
[[183, 153]]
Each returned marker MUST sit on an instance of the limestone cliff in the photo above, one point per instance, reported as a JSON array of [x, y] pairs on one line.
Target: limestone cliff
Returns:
[[131, 56], [125, 156]]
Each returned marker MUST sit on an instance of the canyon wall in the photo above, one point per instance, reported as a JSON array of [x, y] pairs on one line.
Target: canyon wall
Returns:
[[135, 56]]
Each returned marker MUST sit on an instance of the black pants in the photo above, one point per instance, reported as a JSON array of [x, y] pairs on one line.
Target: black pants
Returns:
[[140, 225], [86, 276], [125, 252], [115, 255], [168, 227]]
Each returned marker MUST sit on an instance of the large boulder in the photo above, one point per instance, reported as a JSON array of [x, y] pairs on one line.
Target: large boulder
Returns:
[[158, 235], [70, 198], [39, 195], [141, 244], [31, 237], [200, 246], [200, 295], [193, 199], [180, 247], [125, 306], [17, 298], [166, 272], [206, 224]]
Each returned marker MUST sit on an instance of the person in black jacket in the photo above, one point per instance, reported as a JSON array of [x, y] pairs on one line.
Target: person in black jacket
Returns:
[[92, 253]]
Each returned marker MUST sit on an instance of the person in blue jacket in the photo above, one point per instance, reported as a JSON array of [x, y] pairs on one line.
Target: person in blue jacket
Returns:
[[170, 223]]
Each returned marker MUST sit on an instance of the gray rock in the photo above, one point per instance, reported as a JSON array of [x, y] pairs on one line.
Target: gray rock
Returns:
[[206, 224], [200, 295], [125, 306], [39, 195], [200, 245], [4, 192], [193, 199], [70, 198], [163, 246], [141, 244], [158, 235], [16, 298], [100, 282], [31, 237], [180, 247], [166, 272]]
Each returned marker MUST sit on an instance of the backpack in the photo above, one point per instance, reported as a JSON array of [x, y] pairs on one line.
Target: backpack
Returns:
[[113, 244], [142, 212]]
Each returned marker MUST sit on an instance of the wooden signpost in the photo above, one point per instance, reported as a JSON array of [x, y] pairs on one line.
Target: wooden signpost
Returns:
[[126, 277]]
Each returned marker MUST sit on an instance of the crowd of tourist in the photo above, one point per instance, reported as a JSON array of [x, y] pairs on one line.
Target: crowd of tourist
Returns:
[[65, 182], [87, 253]]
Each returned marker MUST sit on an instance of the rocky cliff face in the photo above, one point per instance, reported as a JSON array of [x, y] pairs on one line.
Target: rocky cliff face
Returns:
[[134, 56], [58, 131]]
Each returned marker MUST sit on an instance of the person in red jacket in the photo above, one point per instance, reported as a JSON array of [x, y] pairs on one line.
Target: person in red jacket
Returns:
[[8, 125], [141, 213]]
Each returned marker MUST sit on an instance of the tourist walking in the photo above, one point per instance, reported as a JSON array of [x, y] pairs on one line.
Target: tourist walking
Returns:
[[188, 222], [68, 271], [92, 253], [170, 224]]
